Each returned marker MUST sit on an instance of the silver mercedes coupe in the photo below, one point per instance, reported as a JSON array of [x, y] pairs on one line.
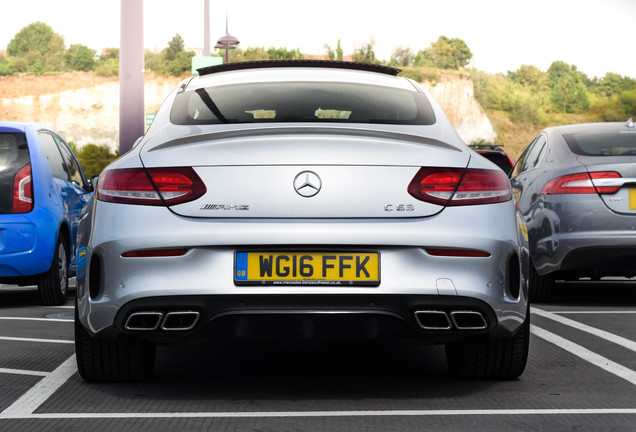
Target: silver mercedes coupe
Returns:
[[301, 201]]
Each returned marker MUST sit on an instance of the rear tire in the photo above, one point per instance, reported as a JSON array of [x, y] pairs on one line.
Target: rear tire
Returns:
[[53, 285], [123, 360], [540, 286], [482, 358]]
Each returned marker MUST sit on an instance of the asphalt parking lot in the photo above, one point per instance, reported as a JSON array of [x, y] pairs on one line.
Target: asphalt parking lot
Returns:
[[581, 376]]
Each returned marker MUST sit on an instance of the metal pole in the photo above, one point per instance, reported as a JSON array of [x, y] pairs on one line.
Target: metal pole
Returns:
[[206, 27], [131, 74]]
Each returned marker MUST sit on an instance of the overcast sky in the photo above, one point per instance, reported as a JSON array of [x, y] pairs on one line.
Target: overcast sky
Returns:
[[597, 36]]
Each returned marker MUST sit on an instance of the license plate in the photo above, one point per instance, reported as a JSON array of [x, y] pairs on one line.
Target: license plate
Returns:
[[632, 199], [307, 268]]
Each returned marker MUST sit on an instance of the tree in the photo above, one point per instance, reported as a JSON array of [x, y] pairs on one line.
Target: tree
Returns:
[[110, 53], [402, 57], [33, 37], [529, 76], [365, 54], [628, 99], [181, 64], [251, 54], [93, 158], [284, 54], [445, 53], [334, 55], [175, 46], [33, 62], [153, 61], [108, 63], [54, 58], [613, 83], [6, 68], [492, 91], [80, 57], [568, 92]]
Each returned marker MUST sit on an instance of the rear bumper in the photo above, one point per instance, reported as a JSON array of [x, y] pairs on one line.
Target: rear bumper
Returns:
[[178, 319], [26, 246], [592, 253], [110, 287]]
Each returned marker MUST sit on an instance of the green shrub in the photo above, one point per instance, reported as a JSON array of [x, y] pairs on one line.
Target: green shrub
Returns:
[[414, 73]]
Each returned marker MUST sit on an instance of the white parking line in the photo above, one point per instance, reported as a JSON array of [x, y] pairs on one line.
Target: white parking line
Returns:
[[28, 403], [579, 351], [16, 339], [592, 312], [39, 393], [23, 372], [301, 414], [35, 319], [619, 340]]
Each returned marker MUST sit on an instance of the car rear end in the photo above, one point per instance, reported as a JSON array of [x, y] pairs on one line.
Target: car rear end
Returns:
[[594, 204], [24, 249], [300, 229]]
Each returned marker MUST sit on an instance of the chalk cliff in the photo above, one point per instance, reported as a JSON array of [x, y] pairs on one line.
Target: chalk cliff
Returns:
[[91, 114], [456, 96]]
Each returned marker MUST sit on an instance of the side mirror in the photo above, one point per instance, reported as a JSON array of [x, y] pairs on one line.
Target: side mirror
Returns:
[[92, 183]]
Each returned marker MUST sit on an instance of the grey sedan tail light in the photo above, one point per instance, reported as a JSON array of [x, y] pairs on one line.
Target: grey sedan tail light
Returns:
[[583, 183], [150, 186], [459, 186]]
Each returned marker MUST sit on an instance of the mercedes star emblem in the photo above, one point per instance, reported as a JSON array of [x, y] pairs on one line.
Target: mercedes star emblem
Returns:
[[307, 184]]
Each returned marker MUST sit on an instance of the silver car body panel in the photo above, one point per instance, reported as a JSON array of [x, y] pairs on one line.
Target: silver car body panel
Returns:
[[363, 175], [208, 267], [365, 171]]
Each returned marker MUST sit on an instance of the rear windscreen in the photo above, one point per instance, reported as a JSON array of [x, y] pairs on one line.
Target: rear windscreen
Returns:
[[301, 102], [14, 154], [603, 143]]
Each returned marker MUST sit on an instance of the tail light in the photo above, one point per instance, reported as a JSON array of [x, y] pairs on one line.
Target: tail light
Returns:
[[151, 186], [472, 253], [582, 183], [459, 186], [23, 190], [154, 253]]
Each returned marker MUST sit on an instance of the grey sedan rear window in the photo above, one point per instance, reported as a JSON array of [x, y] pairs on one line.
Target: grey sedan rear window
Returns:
[[302, 102], [603, 143]]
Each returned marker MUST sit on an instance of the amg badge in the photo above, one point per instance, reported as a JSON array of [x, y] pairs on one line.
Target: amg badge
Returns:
[[225, 207]]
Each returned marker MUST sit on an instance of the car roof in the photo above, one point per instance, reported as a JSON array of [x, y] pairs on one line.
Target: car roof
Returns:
[[21, 126], [299, 70], [591, 127]]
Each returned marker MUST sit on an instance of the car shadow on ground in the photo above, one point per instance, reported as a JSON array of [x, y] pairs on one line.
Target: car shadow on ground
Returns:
[[604, 293], [15, 296], [312, 369], [25, 296]]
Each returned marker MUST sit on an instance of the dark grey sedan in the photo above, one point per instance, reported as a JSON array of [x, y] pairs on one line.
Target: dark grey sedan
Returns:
[[575, 189]]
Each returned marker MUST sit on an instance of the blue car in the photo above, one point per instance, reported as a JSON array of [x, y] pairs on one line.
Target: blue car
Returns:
[[42, 193]]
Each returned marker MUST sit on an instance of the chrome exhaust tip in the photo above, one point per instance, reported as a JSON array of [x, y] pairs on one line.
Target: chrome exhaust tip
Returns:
[[468, 320], [143, 321], [433, 320], [180, 320]]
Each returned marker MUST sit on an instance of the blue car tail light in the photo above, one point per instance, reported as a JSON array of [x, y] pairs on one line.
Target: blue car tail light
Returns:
[[22, 190]]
